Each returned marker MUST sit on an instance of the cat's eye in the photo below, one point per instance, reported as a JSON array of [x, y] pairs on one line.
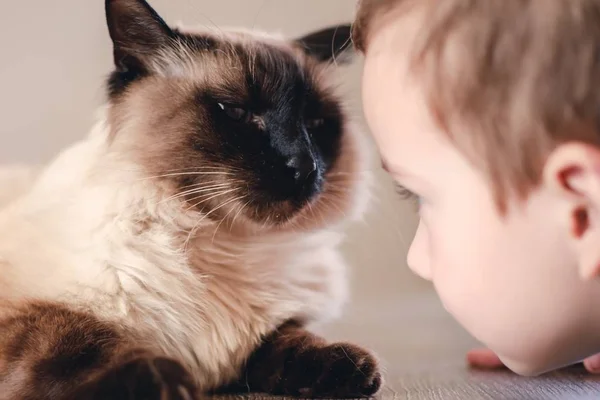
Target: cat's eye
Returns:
[[314, 123], [235, 113]]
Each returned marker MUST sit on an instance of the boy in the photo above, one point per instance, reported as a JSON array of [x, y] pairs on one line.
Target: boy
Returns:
[[489, 112]]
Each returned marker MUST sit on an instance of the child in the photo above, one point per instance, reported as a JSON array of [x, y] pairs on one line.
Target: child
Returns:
[[489, 112]]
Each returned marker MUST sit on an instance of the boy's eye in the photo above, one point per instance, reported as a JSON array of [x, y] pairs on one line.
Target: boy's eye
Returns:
[[406, 194]]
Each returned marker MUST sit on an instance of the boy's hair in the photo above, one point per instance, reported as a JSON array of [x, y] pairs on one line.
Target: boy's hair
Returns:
[[507, 80]]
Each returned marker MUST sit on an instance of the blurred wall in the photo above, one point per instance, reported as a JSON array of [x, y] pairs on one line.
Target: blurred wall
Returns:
[[56, 54]]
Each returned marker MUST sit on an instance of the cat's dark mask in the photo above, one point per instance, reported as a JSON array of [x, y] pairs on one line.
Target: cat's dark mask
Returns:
[[237, 123]]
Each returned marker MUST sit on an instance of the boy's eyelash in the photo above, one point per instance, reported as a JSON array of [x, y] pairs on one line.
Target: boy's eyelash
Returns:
[[404, 193]]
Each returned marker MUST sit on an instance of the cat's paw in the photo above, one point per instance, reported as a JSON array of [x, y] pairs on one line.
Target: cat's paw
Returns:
[[339, 370], [143, 378]]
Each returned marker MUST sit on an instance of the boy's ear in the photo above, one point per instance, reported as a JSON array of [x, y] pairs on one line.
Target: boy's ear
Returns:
[[137, 33], [572, 172], [333, 43]]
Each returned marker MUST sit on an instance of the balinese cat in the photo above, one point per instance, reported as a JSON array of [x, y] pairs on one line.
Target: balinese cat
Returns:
[[185, 244]]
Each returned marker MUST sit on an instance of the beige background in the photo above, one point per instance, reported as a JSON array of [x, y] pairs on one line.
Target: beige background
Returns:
[[54, 57], [56, 53]]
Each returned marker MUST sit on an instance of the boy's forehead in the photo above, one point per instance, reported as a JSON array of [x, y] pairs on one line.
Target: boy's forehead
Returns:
[[398, 121], [388, 59], [385, 80], [394, 101], [400, 21]]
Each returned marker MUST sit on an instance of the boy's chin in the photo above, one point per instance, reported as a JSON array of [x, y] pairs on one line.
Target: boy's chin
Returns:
[[487, 359]]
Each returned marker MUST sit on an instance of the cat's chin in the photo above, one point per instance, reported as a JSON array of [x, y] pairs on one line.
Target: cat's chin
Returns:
[[276, 217], [280, 216], [289, 218]]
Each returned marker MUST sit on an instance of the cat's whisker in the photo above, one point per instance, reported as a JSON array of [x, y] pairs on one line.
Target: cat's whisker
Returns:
[[341, 183], [202, 188], [210, 198], [339, 191], [309, 206], [202, 168], [172, 170], [310, 215], [242, 208], [199, 173], [339, 186], [224, 218], [306, 215], [260, 9], [353, 173], [331, 203], [193, 230], [200, 11], [198, 190], [341, 173], [219, 225], [211, 182], [321, 215], [266, 222], [199, 185], [160, 199], [296, 223], [334, 50]]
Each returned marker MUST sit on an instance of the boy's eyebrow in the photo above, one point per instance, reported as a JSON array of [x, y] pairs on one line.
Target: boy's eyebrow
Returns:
[[385, 165], [388, 168]]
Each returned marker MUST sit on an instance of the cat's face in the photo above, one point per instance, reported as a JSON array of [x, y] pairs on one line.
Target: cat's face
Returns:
[[239, 126]]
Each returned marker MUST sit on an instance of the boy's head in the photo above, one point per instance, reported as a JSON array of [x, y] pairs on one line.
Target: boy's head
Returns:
[[489, 111]]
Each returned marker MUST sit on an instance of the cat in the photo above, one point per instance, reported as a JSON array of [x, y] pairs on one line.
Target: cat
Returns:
[[185, 245]]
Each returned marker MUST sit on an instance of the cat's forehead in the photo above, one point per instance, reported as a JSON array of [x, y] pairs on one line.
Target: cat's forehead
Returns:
[[236, 34], [241, 47], [238, 60]]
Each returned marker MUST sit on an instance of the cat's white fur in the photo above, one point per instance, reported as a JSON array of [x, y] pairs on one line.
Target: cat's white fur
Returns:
[[93, 232]]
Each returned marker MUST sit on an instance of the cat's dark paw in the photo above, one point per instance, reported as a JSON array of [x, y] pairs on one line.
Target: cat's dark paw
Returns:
[[143, 378], [339, 370]]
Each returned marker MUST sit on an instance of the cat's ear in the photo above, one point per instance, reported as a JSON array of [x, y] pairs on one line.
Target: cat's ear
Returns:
[[137, 32], [328, 44]]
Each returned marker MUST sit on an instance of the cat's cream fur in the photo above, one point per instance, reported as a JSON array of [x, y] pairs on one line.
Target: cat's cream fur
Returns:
[[94, 232]]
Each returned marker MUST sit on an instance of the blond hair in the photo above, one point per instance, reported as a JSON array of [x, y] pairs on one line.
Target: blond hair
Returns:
[[507, 80]]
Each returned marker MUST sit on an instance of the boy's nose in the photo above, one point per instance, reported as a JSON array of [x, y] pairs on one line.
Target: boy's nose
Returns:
[[417, 259]]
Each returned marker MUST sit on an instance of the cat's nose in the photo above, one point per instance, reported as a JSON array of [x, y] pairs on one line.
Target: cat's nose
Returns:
[[303, 166]]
